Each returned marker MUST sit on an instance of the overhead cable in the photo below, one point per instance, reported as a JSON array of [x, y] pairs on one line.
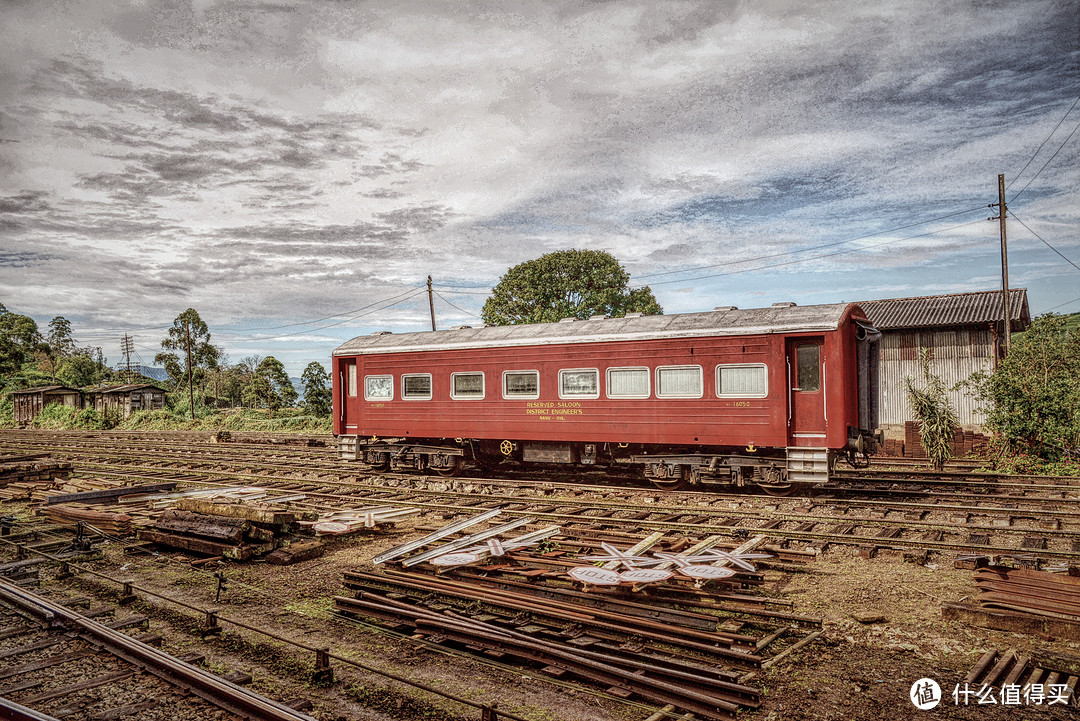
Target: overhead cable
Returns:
[[815, 257], [1044, 242], [1039, 149], [813, 247]]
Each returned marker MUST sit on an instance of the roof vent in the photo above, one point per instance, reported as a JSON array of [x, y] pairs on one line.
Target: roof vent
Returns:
[[784, 304], [722, 308], [568, 320], [382, 332], [599, 316], [633, 315]]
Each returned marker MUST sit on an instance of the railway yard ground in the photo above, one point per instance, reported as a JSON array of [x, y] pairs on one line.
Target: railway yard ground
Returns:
[[260, 576]]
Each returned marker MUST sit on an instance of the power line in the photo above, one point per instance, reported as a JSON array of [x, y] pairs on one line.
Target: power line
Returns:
[[444, 300], [815, 257], [1039, 149], [1066, 140], [336, 315], [462, 290], [1061, 305], [807, 249], [398, 301], [1044, 242]]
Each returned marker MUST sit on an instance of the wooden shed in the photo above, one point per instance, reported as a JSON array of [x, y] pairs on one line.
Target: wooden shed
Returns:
[[962, 332], [30, 401], [127, 398]]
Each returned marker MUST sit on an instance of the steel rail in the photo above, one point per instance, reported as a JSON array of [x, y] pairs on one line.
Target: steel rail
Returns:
[[837, 538], [204, 684], [218, 618], [606, 504]]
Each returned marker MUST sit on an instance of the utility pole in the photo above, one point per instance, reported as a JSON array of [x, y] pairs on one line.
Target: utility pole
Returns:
[[127, 346], [190, 381], [1006, 311], [431, 302]]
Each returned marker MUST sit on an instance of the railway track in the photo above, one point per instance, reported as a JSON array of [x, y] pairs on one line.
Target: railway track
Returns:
[[1034, 520], [58, 663], [877, 515]]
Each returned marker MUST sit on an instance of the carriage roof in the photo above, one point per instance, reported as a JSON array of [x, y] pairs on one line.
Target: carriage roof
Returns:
[[779, 318]]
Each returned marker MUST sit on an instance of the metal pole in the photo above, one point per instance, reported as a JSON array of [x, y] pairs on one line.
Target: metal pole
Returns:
[[431, 302], [1005, 309]]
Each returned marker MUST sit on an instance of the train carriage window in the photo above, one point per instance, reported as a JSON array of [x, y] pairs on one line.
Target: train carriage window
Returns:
[[521, 384], [628, 383], [416, 386], [350, 370], [466, 386], [378, 388], [579, 383], [679, 382], [742, 381], [808, 367]]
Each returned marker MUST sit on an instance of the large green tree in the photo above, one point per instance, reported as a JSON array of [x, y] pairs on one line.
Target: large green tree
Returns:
[[60, 340], [19, 339], [1034, 395], [566, 284], [316, 388], [270, 386], [187, 352]]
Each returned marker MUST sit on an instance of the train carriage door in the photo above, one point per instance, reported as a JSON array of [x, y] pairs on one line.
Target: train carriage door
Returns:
[[350, 410], [807, 419]]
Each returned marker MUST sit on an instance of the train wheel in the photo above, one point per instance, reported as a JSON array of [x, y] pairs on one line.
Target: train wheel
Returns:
[[667, 478], [451, 469], [382, 465], [782, 489]]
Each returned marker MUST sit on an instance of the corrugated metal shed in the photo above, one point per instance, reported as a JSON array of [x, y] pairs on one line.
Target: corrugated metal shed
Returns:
[[959, 330], [780, 318], [954, 309], [954, 356]]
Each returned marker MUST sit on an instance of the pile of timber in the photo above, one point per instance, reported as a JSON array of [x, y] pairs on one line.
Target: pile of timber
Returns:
[[68, 514], [239, 531], [20, 476], [1053, 595]]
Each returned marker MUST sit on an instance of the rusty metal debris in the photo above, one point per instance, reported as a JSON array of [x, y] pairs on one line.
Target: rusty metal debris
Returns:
[[1054, 595], [1011, 678]]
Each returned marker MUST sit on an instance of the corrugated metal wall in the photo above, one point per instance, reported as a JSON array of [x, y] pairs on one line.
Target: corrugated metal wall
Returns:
[[955, 355]]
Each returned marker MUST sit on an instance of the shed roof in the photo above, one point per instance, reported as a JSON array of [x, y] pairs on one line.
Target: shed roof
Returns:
[[47, 389], [780, 318], [954, 309]]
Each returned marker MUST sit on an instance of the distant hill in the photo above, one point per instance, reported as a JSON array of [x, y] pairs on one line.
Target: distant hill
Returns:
[[157, 374]]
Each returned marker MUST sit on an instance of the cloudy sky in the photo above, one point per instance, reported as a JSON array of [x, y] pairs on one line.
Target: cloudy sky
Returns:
[[295, 170]]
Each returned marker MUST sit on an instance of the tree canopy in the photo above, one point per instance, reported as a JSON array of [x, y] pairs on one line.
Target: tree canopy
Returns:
[[270, 386], [566, 284], [316, 392], [192, 354], [19, 338]]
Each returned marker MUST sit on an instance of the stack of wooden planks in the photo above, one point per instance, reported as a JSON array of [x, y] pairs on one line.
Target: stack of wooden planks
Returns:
[[21, 476], [69, 514], [238, 531]]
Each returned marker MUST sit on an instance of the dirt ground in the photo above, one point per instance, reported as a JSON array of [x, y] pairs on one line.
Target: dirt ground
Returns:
[[855, 671]]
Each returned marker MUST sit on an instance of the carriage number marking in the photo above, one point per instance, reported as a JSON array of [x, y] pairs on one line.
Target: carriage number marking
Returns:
[[740, 404]]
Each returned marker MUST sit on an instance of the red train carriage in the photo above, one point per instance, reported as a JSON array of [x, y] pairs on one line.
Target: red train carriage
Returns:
[[770, 396]]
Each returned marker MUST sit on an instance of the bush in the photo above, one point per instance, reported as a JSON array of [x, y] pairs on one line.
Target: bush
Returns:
[[1033, 398]]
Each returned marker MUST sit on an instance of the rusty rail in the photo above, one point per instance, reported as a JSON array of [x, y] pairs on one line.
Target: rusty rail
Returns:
[[204, 684]]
